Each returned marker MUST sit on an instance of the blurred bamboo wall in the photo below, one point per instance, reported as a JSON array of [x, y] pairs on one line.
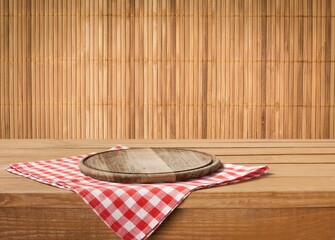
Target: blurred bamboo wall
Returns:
[[167, 69]]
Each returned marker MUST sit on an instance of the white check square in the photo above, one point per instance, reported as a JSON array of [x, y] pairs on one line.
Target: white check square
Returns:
[[129, 202], [129, 226], [106, 202], [117, 214], [141, 213]]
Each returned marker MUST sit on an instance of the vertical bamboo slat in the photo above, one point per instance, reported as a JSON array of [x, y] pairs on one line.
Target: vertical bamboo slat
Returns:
[[113, 89], [127, 70], [163, 74], [2, 69], [148, 123], [167, 69], [332, 73], [227, 79], [190, 73], [79, 76], [137, 77], [221, 66], [196, 77], [170, 71], [13, 68], [123, 66], [141, 76], [118, 68], [210, 88], [73, 73]]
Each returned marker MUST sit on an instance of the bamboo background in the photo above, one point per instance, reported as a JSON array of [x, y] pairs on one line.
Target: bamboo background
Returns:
[[167, 69]]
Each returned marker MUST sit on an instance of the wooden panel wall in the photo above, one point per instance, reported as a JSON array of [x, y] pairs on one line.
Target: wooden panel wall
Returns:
[[167, 69]]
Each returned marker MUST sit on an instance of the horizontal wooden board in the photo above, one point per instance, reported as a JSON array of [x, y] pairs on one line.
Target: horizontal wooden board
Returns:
[[52, 153], [45, 223], [256, 159], [267, 151], [276, 192], [276, 170], [241, 224], [23, 185], [279, 224]]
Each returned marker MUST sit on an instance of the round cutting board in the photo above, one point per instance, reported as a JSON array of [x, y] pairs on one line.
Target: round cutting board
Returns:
[[149, 165]]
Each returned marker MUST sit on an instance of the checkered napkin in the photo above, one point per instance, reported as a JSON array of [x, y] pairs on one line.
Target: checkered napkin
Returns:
[[133, 211]]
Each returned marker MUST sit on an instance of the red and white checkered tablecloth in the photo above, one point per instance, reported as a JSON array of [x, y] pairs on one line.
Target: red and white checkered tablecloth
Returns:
[[133, 211]]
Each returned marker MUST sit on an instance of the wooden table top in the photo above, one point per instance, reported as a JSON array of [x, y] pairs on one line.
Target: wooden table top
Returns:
[[296, 200], [302, 172]]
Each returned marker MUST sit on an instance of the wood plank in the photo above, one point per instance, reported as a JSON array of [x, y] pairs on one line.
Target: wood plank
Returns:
[[236, 224], [267, 151], [57, 198], [278, 169], [51, 226], [277, 224], [275, 192], [5, 160], [214, 151]]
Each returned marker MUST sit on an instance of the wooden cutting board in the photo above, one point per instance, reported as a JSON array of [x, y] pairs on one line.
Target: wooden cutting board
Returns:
[[149, 165]]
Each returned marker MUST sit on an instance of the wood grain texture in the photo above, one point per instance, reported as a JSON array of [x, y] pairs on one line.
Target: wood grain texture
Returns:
[[167, 69], [296, 200], [278, 224], [149, 165]]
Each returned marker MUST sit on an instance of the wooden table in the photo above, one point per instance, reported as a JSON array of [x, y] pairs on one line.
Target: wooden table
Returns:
[[295, 201]]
